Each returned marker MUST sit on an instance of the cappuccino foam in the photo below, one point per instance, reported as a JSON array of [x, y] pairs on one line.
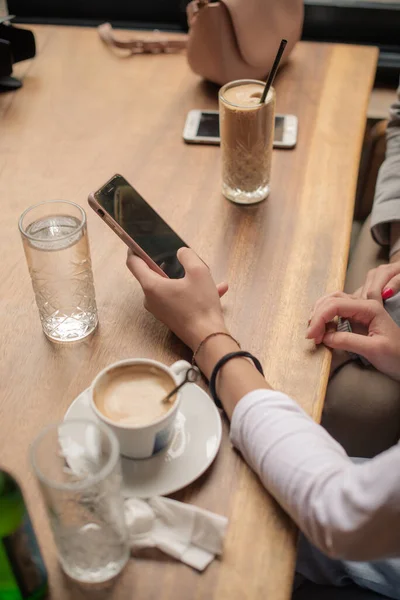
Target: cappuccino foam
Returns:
[[132, 394]]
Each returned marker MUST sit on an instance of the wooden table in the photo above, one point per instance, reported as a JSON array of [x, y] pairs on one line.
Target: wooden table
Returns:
[[84, 114]]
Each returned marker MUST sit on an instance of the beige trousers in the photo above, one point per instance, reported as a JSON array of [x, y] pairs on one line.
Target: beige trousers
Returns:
[[362, 405]]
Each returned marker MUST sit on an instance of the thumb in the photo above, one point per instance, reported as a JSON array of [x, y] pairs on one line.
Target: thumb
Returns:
[[140, 270], [189, 259], [391, 288], [351, 342]]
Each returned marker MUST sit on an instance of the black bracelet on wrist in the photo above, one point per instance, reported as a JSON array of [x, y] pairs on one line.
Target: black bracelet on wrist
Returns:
[[222, 361]]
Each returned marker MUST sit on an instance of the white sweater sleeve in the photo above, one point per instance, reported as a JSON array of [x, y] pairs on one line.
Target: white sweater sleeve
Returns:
[[349, 511]]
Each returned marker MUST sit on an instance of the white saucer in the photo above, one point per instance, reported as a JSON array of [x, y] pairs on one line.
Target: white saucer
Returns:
[[193, 448]]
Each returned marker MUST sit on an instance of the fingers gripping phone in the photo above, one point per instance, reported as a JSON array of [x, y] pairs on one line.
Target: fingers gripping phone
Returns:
[[139, 226], [202, 127]]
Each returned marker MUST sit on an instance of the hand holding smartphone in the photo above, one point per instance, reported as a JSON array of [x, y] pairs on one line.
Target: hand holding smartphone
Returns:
[[124, 210]]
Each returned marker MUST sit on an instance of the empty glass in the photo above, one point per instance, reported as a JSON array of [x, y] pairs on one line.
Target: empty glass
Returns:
[[57, 250], [78, 467]]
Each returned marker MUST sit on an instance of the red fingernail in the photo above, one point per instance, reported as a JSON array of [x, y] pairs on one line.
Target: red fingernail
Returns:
[[388, 293]]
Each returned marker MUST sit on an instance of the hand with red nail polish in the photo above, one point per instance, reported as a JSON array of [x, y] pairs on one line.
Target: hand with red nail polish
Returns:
[[387, 293], [381, 343], [381, 283], [320, 302]]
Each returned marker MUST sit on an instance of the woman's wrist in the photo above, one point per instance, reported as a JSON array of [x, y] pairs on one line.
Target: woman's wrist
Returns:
[[202, 329], [236, 378], [212, 350]]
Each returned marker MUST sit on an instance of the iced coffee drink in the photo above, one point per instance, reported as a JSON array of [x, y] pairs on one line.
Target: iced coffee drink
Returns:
[[247, 135]]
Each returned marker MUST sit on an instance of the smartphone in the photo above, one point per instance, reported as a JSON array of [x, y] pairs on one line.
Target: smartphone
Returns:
[[139, 226], [202, 127]]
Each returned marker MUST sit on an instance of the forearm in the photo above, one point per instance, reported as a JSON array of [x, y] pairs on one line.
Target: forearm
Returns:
[[344, 509], [237, 378], [308, 473]]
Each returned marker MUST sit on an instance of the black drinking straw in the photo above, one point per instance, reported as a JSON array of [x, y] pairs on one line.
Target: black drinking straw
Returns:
[[273, 71]]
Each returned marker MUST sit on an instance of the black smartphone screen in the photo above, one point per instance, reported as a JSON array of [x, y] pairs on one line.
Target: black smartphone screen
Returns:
[[141, 222], [279, 122], [208, 125]]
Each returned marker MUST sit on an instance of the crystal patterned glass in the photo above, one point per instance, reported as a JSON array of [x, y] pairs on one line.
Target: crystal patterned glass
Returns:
[[247, 135], [56, 245], [77, 463]]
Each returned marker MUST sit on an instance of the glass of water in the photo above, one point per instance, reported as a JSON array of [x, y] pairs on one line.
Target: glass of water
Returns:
[[57, 250], [78, 467]]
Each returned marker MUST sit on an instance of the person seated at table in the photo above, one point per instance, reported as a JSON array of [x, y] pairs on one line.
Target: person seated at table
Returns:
[[362, 405], [350, 512]]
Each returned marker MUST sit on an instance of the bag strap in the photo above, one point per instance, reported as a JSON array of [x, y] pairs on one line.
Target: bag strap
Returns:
[[153, 44]]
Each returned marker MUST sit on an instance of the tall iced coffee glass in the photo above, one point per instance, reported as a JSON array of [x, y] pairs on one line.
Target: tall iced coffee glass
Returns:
[[247, 135]]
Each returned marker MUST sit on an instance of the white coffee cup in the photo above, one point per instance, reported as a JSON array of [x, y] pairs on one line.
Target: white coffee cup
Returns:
[[143, 441]]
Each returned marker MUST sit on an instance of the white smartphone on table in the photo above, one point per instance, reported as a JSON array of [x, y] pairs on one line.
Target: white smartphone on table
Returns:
[[202, 127]]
